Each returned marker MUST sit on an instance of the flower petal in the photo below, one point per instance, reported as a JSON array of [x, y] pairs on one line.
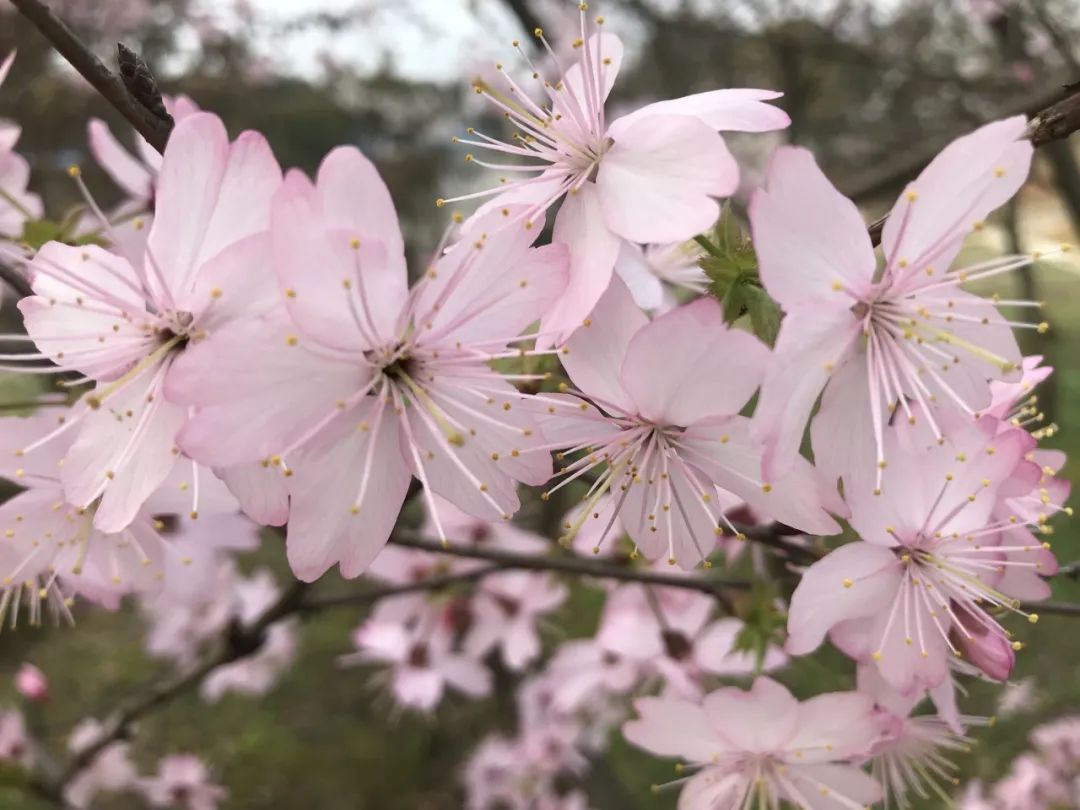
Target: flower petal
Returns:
[[736, 109], [346, 493], [807, 235], [856, 580], [967, 180], [670, 727], [658, 180], [687, 365], [125, 170], [760, 720], [593, 249], [594, 354], [807, 349]]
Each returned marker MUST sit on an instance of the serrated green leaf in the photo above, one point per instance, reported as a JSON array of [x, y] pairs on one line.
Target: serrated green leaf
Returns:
[[735, 301]]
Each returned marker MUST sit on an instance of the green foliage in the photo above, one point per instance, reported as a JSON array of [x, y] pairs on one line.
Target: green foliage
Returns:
[[36, 232], [731, 265], [763, 623]]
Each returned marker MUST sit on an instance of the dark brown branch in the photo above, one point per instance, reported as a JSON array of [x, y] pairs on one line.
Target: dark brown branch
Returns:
[[568, 563], [151, 126]]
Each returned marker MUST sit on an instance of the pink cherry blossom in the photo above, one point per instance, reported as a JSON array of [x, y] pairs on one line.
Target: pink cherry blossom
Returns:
[[183, 781], [31, 683], [914, 592], [908, 338], [651, 176], [656, 408], [110, 771], [672, 634], [17, 204], [423, 659], [763, 744], [655, 274], [369, 375], [122, 326], [913, 757], [506, 609], [257, 674]]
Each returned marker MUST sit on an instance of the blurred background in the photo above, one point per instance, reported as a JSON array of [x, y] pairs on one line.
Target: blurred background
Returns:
[[874, 88]]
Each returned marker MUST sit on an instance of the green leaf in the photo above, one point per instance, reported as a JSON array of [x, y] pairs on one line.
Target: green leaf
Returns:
[[764, 313], [36, 232]]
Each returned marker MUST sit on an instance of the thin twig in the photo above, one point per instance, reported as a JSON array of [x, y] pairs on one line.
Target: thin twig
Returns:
[[155, 129], [573, 564]]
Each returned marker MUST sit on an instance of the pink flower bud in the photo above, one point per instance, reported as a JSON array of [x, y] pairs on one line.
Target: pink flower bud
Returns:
[[32, 684], [989, 651]]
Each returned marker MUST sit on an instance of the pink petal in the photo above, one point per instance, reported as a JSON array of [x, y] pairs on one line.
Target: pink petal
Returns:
[[725, 451], [687, 365], [858, 787], [239, 282], [670, 727], [467, 676], [808, 347], [210, 194], [354, 198], [832, 726], [657, 182], [968, 179], [824, 596], [594, 354], [262, 492], [644, 285], [418, 688], [842, 432], [344, 292], [807, 235], [124, 448], [732, 109], [127, 172], [593, 248], [492, 292], [599, 47], [760, 720], [327, 484], [251, 412]]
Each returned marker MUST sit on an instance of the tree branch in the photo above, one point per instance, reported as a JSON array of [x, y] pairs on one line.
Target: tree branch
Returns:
[[573, 564], [152, 127]]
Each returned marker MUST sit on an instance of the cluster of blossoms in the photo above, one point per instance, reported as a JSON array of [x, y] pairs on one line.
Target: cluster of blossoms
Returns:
[[181, 782], [1044, 778], [238, 339]]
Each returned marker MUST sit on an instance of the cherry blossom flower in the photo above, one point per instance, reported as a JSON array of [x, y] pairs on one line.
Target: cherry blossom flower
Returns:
[[423, 660], [122, 326], [31, 683], [372, 376], [656, 408], [651, 176], [915, 591], [17, 204], [52, 548], [183, 781], [110, 771], [671, 634], [257, 674], [506, 608], [763, 746], [905, 338], [912, 757], [655, 274]]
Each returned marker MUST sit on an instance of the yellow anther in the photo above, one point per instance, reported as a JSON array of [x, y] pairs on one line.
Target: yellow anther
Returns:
[[291, 340], [848, 582], [74, 171], [216, 292]]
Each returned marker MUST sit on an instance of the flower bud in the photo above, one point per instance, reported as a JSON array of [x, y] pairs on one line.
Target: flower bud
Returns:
[[31, 683]]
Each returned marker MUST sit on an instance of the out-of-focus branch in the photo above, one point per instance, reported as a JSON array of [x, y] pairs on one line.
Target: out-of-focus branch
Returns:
[[526, 17], [151, 126], [573, 564]]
